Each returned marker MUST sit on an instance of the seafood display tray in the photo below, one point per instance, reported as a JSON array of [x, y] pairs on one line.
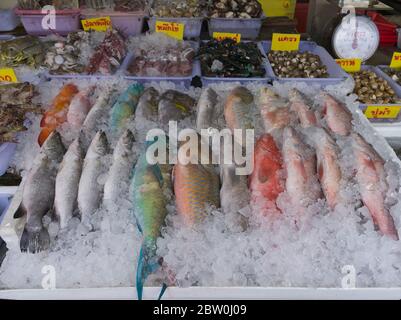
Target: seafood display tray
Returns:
[[248, 28], [8, 20], [380, 71], [210, 80], [394, 86], [129, 23], [336, 74], [83, 76], [66, 21], [7, 151], [181, 81], [192, 29]]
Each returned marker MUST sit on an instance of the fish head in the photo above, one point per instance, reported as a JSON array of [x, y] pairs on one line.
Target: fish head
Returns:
[[100, 144], [136, 89], [267, 95], [243, 93], [127, 139], [53, 147]]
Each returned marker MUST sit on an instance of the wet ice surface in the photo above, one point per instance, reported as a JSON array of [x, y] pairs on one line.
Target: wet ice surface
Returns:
[[308, 250]]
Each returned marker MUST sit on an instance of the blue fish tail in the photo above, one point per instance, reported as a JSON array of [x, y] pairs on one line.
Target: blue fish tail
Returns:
[[147, 264]]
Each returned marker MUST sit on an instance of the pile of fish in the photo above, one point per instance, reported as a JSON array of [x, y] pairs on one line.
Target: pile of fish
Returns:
[[294, 64], [15, 103], [371, 88], [178, 8], [155, 60], [27, 50], [108, 55], [228, 58], [243, 9], [395, 74]]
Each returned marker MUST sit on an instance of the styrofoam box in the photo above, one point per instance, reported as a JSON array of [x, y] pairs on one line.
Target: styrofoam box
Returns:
[[336, 73], [394, 86]]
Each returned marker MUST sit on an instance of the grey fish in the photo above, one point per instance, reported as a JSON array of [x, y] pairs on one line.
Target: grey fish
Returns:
[[148, 104], [120, 171], [206, 109], [174, 106], [67, 182], [90, 187], [38, 195]]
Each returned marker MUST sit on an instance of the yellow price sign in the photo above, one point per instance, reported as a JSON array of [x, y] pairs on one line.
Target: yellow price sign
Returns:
[[8, 75], [396, 60], [350, 65], [285, 42], [101, 24], [225, 35], [172, 29], [382, 112]]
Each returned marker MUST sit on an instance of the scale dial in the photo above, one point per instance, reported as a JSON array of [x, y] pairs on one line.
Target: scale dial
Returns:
[[356, 39]]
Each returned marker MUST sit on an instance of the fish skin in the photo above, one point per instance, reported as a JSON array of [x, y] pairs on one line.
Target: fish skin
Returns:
[[300, 163], [338, 117], [123, 160], [148, 104], [174, 106], [38, 195], [90, 189], [149, 204], [80, 107], [237, 109], [266, 179], [299, 105], [206, 109], [97, 112], [328, 168], [67, 183], [370, 176], [125, 107], [57, 114], [274, 111]]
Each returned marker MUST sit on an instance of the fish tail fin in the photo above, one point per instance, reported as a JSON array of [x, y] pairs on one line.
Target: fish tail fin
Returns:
[[162, 291], [35, 241], [147, 264]]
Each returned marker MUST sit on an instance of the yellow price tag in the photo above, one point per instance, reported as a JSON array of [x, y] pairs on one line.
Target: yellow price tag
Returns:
[[350, 65], [172, 29], [382, 112], [8, 75], [225, 35], [285, 42], [396, 60], [101, 24]]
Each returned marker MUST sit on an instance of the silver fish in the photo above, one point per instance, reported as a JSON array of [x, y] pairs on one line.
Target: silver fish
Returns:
[[67, 182], [38, 195], [148, 104], [120, 171], [90, 187], [206, 109]]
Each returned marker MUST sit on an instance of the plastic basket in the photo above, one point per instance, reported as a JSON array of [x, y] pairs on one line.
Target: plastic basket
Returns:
[[128, 23], [66, 21], [8, 20], [192, 29], [7, 151], [248, 28], [336, 73], [394, 86], [211, 80], [184, 81]]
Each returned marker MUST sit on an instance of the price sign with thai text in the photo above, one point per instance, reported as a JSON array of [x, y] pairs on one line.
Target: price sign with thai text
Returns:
[[382, 112], [8, 75], [172, 29], [101, 24], [350, 65], [396, 60], [285, 42], [225, 35]]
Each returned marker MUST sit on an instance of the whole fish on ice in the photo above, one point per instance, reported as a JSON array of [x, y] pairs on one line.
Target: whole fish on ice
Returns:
[[121, 169], [148, 104], [328, 168], [79, 108], [67, 182], [301, 183], [238, 108], [57, 114], [267, 180], [206, 109], [371, 178], [90, 189], [149, 204], [274, 110], [125, 107], [38, 194], [337, 116], [174, 106], [301, 107]]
